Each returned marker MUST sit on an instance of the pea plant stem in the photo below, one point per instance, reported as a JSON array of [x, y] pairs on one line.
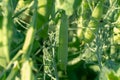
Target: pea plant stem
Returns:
[[54, 62], [99, 47]]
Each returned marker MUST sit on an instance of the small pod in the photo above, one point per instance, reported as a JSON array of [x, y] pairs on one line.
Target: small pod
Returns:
[[83, 19], [94, 22]]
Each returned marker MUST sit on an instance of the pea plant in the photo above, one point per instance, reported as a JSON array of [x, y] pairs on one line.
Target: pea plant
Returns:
[[59, 39]]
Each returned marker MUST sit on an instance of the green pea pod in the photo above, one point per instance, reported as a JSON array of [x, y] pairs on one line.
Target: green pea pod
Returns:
[[26, 71], [94, 22], [5, 32], [97, 12], [2, 56], [63, 42], [84, 17]]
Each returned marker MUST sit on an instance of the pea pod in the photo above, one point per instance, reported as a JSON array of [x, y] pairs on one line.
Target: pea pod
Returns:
[[94, 22], [5, 32], [2, 60], [97, 12], [83, 18], [26, 71], [63, 42]]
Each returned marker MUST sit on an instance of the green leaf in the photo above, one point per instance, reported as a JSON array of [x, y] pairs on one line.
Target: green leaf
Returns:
[[13, 72], [118, 71], [76, 4], [112, 76]]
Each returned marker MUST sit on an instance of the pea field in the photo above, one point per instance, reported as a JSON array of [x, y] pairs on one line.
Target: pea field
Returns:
[[59, 39]]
